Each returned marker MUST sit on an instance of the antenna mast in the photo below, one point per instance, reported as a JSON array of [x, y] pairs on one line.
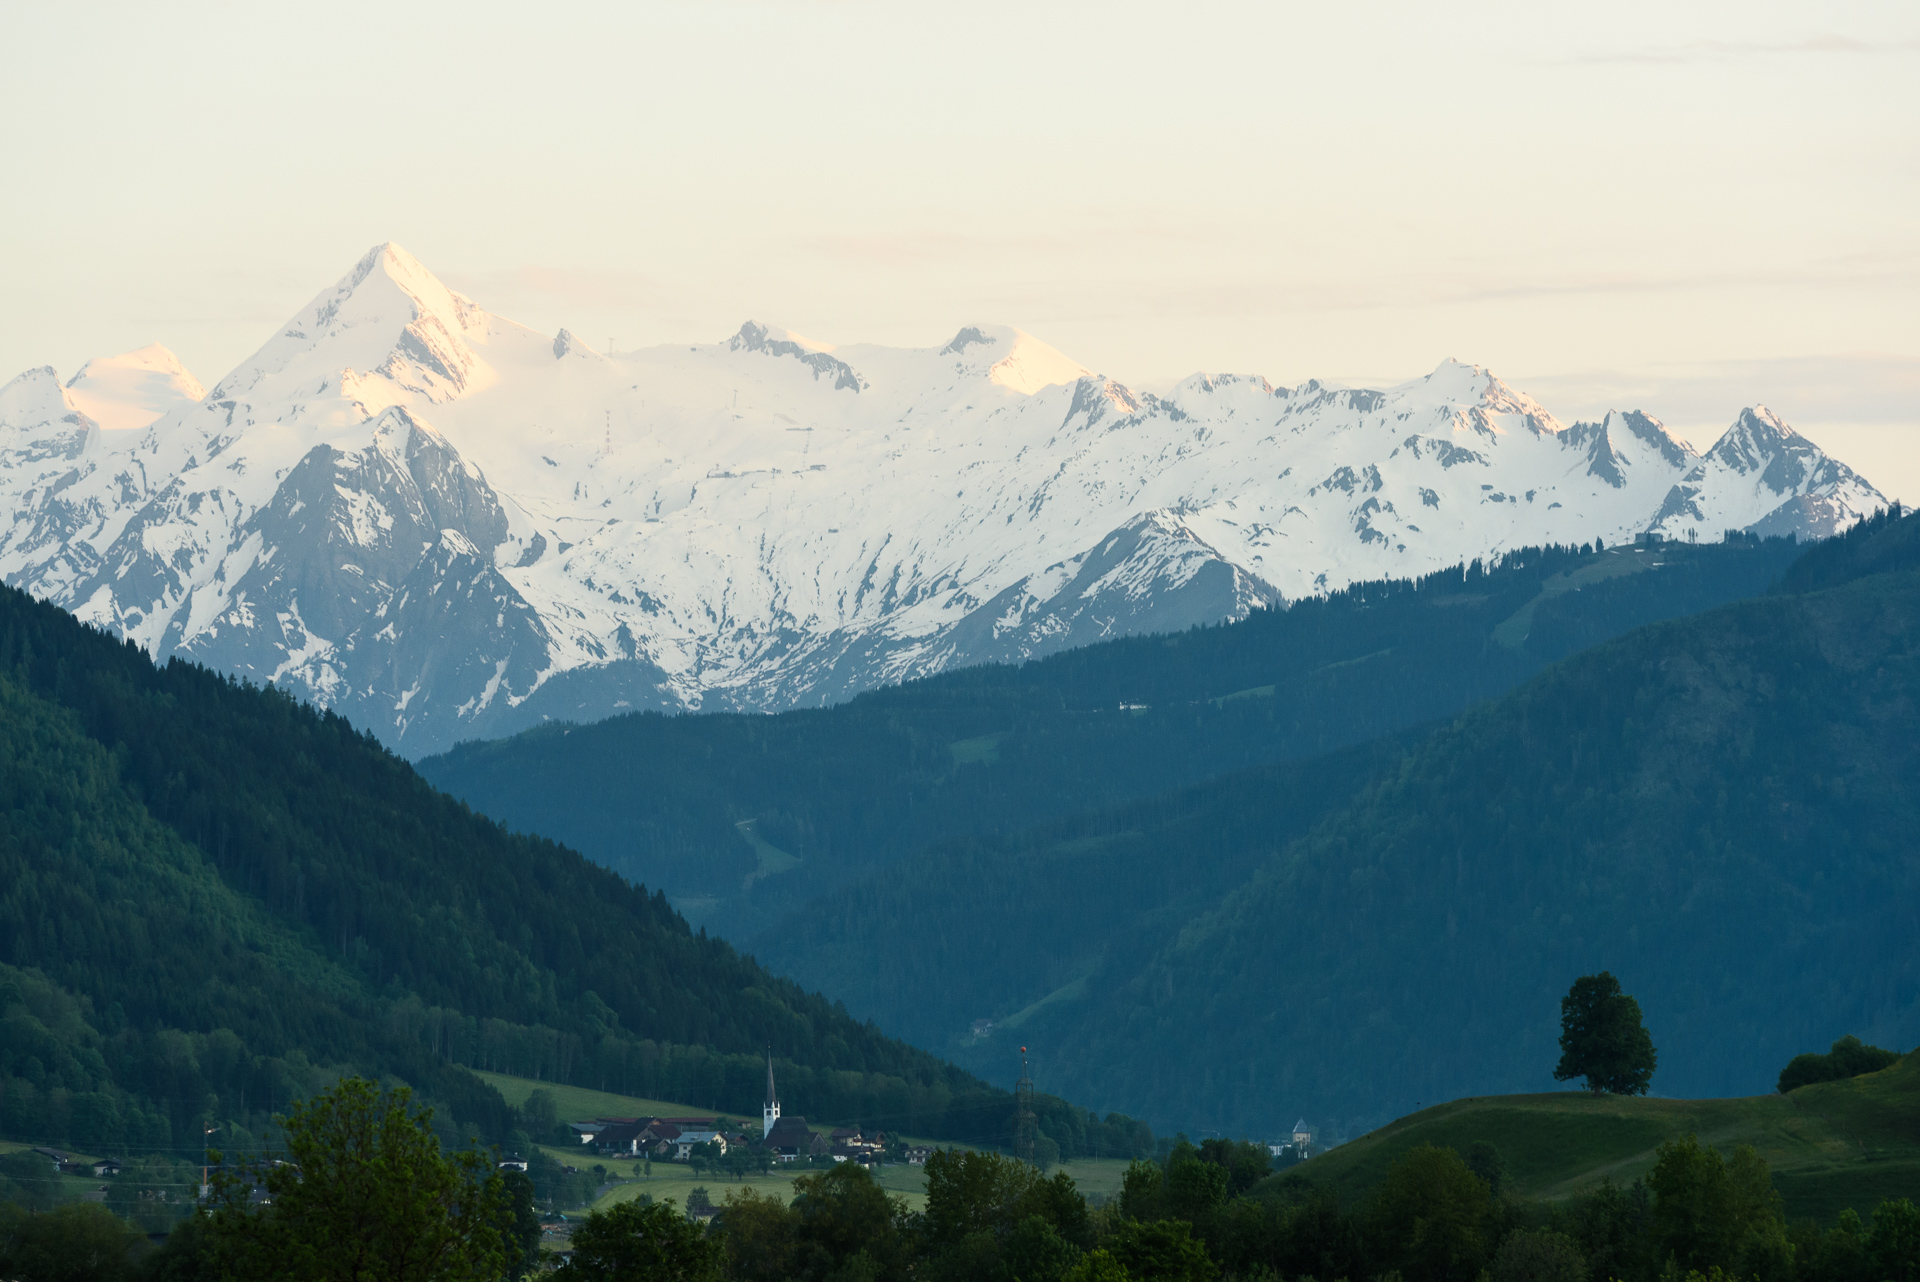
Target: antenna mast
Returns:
[[1025, 1124]]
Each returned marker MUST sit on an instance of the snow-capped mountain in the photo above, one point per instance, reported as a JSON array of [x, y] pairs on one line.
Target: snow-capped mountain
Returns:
[[446, 525]]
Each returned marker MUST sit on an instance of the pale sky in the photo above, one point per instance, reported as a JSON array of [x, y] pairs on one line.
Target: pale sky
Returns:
[[1680, 208]]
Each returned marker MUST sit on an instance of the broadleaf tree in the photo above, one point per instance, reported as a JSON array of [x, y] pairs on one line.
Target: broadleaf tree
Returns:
[[1603, 1039], [366, 1195]]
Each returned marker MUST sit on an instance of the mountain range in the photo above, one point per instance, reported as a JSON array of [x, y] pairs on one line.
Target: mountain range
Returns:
[[754, 823], [445, 525], [1718, 809]]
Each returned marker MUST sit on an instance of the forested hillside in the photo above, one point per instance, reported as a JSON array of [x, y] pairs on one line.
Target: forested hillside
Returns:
[[1721, 810], [211, 895], [744, 819]]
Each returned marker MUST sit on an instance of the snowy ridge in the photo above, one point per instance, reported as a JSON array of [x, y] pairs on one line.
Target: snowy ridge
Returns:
[[446, 525]]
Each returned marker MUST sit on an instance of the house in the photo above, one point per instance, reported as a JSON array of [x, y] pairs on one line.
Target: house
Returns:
[[658, 1138], [683, 1147], [511, 1164], [861, 1156], [1302, 1137], [619, 1137], [854, 1138], [586, 1131], [918, 1155], [106, 1168], [55, 1156]]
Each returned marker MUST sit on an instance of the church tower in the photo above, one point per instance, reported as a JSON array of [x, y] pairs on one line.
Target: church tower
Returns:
[[771, 1113]]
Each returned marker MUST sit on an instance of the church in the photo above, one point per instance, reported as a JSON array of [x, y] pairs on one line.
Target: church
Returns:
[[788, 1137]]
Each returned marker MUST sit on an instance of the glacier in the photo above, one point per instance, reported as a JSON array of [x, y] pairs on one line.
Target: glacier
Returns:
[[445, 525]]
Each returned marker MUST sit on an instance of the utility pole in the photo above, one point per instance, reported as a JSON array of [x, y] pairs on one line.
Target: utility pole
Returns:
[[1024, 1122]]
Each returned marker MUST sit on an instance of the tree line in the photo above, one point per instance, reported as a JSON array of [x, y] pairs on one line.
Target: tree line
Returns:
[[369, 1192]]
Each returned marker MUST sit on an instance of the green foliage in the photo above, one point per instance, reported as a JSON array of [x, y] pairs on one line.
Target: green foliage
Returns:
[[760, 1237], [1835, 1254], [365, 1194], [522, 1235], [1602, 1038], [1711, 1212], [1245, 1162], [556, 1187], [1484, 1160], [1849, 1057], [214, 900], [848, 1226], [1036, 1252], [154, 1192], [988, 1194], [79, 1242], [1538, 1255], [1433, 1218], [629, 1241], [1162, 1249], [1893, 1248], [29, 1180], [1099, 1265]]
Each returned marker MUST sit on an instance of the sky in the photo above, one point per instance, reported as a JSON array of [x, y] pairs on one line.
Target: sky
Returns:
[[1680, 208]]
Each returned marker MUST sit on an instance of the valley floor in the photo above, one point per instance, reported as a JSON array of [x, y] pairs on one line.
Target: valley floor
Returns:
[[1097, 1179]]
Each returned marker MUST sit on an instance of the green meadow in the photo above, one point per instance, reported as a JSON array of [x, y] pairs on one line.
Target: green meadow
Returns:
[[1834, 1145]]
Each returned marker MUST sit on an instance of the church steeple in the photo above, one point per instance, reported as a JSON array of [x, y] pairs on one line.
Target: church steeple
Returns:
[[771, 1113]]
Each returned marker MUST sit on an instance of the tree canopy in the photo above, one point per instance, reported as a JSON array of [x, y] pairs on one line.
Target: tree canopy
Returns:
[[1602, 1038]]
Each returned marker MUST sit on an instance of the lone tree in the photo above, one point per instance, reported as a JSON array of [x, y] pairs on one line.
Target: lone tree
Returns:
[[1602, 1038]]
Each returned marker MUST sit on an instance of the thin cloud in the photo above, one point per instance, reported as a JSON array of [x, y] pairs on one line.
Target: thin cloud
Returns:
[[1703, 51], [590, 287]]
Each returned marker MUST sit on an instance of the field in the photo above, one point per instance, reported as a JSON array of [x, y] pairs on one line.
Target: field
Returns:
[[578, 1104], [1830, 1146], [1097, 1180]]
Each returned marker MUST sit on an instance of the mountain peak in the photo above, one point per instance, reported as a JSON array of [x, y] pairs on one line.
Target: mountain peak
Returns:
[[769, 341], [753, 336], [133, 389], [41, 421], [1761, 420], [388, 316], [33, 397], [1019, 362]]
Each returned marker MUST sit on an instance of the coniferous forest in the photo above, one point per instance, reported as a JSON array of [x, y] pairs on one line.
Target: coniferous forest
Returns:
[[211, 897]]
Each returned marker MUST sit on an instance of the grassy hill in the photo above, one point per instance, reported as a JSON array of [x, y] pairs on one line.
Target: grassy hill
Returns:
[[1837, 1144]]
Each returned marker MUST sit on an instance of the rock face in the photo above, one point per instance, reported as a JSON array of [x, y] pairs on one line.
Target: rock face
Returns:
[[445, 525]]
